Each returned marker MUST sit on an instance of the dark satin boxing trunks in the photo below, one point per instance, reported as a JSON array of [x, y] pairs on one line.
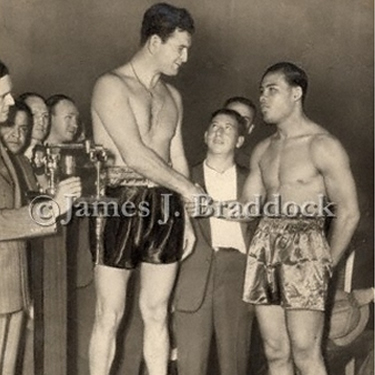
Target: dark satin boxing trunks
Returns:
[[154, 234], [288, 264]]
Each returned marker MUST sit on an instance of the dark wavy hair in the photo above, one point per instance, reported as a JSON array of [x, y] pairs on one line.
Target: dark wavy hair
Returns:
[[235, 115], [163, 19], [294, 75], [18, 106]]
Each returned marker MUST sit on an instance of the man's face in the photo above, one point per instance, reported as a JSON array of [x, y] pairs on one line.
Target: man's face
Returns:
[[6, 98], [222, 135], [276, 98], [15, 136], [246, 112], [173, 52], [64, 121], [40, 117]]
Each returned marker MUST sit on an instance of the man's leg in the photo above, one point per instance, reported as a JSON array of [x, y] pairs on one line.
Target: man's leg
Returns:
[[305, 330], [272, 325], [232, 317], [157, 281], [193, 332], [110, 284], [10, 335]]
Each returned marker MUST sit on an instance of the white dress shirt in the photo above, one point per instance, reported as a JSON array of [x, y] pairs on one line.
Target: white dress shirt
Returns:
[[223, 187]]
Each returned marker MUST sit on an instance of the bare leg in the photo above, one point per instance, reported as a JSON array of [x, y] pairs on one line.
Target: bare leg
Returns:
[[156, 285], [110, 284], [10, 330], [275, 337], [305, 330]]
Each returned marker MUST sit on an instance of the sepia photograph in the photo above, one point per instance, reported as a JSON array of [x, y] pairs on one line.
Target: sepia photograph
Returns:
[[187, 187]]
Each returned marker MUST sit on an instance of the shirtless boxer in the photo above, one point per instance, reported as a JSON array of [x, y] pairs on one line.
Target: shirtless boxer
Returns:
[[138, 117], [289, 261]]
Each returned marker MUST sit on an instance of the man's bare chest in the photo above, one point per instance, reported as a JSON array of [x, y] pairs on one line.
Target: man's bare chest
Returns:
[[288, 161], [156, 115]]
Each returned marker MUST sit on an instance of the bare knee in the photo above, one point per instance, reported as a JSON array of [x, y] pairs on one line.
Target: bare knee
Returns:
[[154, 312], [306, 353], [108, 318], [277, 351]]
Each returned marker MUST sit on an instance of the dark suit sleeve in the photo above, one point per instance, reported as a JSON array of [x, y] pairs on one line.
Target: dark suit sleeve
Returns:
[[18, 224]]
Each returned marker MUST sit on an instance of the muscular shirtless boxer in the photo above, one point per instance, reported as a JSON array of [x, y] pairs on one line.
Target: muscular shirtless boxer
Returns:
[[138, 117], [289, 260]]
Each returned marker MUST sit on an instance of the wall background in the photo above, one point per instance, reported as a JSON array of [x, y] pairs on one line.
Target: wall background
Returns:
[[54, 46]]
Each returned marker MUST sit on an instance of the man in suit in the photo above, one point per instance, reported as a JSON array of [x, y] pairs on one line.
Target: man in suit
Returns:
[[209, 288], [16, 225]]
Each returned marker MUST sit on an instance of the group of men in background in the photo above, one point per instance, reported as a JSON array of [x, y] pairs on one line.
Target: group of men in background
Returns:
[[285, 263], [17, 122]]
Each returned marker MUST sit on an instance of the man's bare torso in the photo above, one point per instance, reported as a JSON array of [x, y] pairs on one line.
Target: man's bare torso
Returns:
[[156, 116], [288, 169]]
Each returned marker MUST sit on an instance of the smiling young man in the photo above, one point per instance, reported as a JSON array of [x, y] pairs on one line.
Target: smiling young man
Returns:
[[138, 118], [64, 119], [289, 260], [208, 297]]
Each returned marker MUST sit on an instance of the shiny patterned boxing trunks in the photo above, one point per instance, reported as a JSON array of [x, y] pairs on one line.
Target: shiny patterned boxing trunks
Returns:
[[154, 233], [288, 264]]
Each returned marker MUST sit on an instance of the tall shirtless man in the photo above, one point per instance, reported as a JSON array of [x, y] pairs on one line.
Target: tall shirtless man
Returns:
[[289, 260], [138, 117]]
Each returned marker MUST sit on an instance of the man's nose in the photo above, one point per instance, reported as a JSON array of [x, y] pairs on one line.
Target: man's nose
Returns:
[[219, 131], [16, 134], [9, 100], [74, 123], [184, 56]]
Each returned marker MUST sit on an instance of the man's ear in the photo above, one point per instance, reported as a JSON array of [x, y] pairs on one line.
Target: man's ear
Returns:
[[205, 137], [250, 129], [240, 141], [153, 43], [297, 93]]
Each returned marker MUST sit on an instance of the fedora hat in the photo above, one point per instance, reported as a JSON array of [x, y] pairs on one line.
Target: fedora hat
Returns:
[[348, 318]]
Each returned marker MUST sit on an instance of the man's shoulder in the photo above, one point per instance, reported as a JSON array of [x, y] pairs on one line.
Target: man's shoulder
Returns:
[[324, 141], [327, 149], [115, 79], [261, 147]]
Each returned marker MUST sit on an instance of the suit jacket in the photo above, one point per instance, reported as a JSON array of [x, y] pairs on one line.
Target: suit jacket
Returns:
[[194, 271], [15, 226]]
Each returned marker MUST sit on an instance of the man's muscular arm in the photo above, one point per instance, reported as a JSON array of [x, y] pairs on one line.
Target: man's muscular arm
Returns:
[[178, 157], [111, 104], [254, 186], [332, 162]]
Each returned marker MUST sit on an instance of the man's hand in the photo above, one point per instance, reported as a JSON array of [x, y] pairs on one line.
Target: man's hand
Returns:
[[194, 191], [67, 191], [189, 238], [193, 200]]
